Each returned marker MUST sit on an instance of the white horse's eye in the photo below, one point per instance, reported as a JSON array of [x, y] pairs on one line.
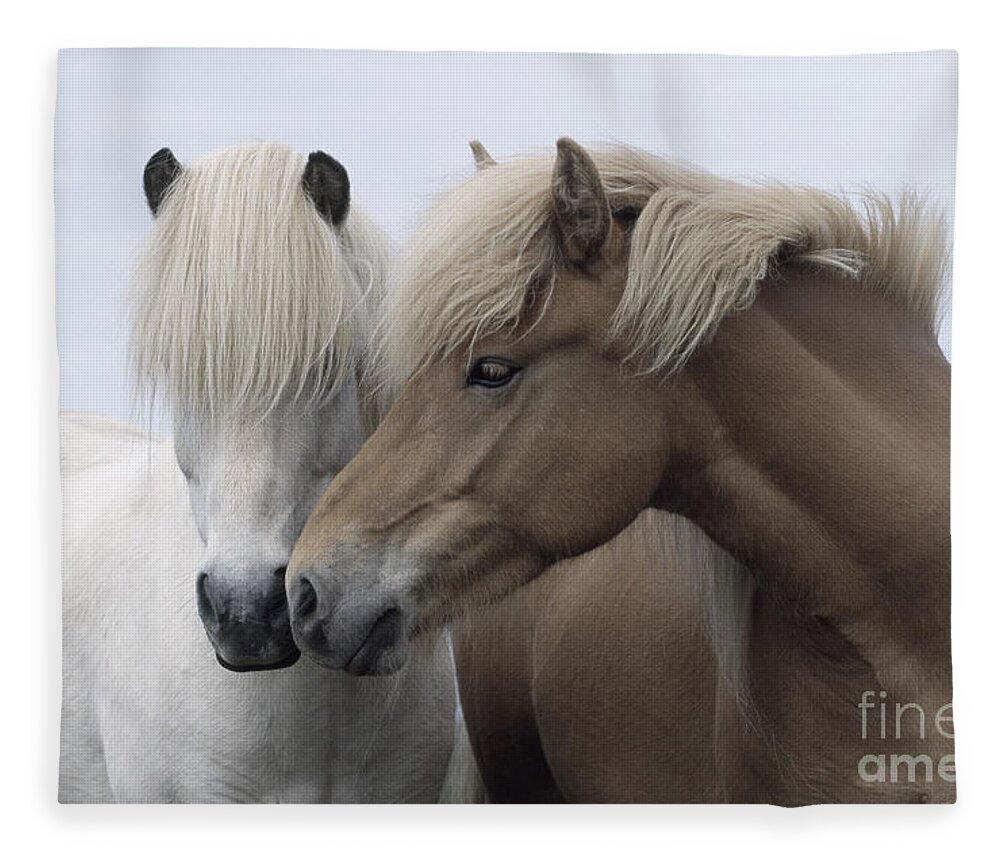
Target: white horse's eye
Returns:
[[492, 372]]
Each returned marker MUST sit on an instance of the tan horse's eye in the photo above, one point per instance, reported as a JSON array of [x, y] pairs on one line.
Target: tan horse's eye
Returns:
[[491, 372]]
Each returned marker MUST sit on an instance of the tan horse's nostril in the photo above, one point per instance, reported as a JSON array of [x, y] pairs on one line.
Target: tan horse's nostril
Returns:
[[306, 600]]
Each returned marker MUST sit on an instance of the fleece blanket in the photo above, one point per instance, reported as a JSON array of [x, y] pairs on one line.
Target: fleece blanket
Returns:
[[279, 581]]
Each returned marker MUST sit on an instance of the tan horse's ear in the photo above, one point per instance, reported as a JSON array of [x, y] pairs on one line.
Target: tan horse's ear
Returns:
[[581, 206], [483, 158]]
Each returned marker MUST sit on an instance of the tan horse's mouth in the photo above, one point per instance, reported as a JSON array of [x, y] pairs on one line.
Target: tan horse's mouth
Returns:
[[363, 638]]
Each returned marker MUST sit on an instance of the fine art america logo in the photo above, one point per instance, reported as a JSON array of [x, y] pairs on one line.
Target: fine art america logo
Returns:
[[910, 721]]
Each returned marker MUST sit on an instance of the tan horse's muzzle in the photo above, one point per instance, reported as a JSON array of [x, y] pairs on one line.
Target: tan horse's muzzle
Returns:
[[362, 629]]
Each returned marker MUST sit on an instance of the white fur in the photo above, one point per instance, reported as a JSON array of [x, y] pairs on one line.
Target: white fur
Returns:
[[149, 715], [253, 316], [252, 484]]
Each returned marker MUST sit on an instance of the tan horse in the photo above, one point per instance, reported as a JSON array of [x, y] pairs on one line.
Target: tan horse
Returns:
[[584, 340]]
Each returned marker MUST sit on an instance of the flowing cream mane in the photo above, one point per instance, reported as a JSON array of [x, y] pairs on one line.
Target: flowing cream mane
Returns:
[[244, 296], [699, 248]]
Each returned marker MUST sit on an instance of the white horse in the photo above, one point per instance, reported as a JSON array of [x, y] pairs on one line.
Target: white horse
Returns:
[[252, 313]]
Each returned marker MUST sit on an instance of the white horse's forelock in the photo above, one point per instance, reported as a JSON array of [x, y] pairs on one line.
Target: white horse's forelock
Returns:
[[244, 296]]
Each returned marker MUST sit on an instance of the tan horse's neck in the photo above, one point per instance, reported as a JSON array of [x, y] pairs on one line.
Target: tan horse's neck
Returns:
[[817, 452], [810, 439]]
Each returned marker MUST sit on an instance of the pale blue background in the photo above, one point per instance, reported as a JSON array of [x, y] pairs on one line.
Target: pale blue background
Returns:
[[400, 123]]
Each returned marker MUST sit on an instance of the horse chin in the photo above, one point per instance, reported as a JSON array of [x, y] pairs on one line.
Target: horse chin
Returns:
[[364, 664], [252, 644], [254, 665]]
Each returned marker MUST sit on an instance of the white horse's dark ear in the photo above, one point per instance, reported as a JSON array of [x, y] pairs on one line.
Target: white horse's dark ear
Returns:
[[161, 171], [326, 184], [483, 158], [581, 206]]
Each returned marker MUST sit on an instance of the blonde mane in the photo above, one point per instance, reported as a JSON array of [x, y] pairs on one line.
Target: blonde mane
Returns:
[[244, 296], [699, 248]]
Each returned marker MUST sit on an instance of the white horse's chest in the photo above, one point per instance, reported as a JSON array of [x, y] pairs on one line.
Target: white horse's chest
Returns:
[[150, 716]]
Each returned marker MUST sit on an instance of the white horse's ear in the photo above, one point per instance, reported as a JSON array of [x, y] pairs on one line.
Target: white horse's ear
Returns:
[[326, 184], [581, 206], [161, 171], [483, 158]]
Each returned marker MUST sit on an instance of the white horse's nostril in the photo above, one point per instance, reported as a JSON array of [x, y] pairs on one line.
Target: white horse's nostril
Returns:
[[206, 606]]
